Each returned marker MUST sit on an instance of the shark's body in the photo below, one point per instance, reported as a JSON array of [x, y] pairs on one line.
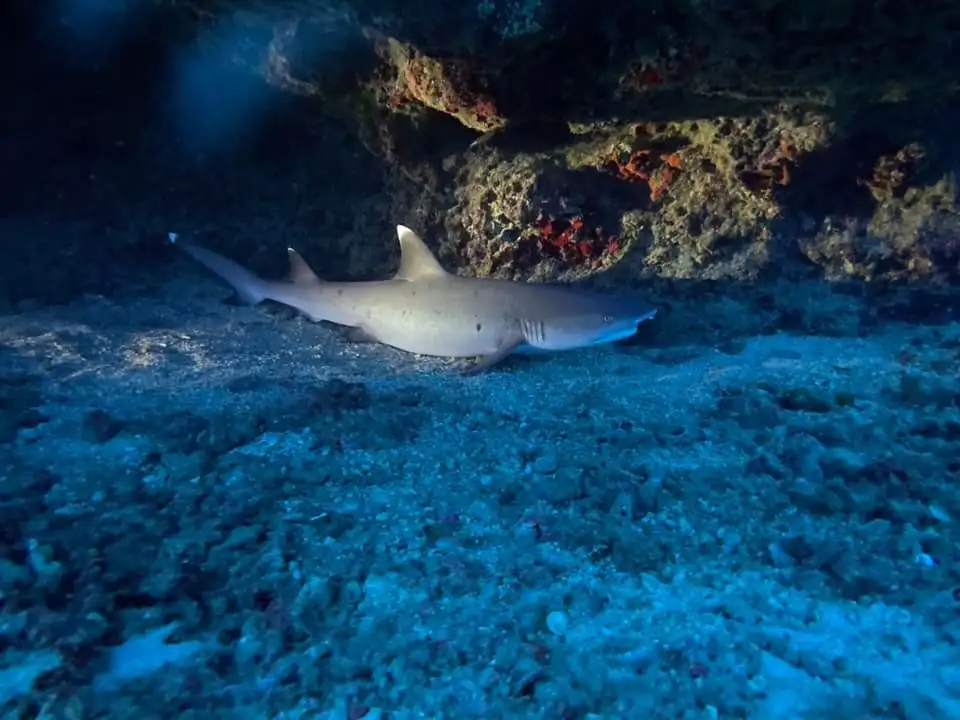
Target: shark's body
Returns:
[[425, 310]]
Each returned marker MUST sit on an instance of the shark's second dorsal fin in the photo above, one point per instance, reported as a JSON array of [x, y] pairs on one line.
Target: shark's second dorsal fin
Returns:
[[416, 260], [300, 273]]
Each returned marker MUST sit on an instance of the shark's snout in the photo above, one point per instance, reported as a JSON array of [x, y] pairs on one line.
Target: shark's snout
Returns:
[[622, 322]]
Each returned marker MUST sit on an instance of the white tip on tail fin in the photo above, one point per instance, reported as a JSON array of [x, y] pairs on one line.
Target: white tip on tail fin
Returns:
[[248, 286]]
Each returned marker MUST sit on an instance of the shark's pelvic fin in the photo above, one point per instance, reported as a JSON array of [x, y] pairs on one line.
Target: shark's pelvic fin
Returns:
[[486, 362], [300, 273], [416, 260]]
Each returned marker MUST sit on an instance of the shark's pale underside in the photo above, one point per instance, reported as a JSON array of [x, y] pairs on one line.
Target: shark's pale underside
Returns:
[[425, 310]]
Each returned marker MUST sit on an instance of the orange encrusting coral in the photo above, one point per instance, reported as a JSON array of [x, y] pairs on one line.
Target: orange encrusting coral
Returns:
[[571, 241], [658, 171]]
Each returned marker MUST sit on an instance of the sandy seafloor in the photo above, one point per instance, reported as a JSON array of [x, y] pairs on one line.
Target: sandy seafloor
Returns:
[[213, 511]]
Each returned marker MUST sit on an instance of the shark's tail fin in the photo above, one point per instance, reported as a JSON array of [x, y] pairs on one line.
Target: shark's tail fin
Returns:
[[248, 286]]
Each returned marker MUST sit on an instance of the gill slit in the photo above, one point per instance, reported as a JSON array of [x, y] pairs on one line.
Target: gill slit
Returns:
[[532, 331]]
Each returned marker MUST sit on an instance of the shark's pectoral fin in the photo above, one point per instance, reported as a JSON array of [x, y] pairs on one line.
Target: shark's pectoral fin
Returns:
[[359, 335], [485, 362]]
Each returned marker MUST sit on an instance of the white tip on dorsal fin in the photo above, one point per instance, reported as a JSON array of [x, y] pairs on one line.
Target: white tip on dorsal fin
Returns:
[[416, 260], [300, 273]]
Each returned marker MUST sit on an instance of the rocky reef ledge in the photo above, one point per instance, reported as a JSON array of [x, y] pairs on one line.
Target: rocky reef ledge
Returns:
[[684, 142]]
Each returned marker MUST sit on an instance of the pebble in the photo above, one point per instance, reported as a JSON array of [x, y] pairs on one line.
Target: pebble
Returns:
[[546, 464], [558, 623]]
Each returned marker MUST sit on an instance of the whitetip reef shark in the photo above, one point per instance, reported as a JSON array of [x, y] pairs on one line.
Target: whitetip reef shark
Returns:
[[426, 310]]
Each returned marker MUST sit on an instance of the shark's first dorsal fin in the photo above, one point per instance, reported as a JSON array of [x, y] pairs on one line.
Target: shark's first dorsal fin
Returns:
[[300, 273], [416, 260]]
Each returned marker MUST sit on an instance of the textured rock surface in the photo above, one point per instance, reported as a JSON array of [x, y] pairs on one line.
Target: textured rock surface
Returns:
[[788, 119]]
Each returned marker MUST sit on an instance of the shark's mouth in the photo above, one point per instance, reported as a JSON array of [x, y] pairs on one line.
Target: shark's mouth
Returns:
[[613, 337]]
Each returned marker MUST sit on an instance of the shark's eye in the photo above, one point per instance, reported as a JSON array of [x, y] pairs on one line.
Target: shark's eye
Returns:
[[606, 319]]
